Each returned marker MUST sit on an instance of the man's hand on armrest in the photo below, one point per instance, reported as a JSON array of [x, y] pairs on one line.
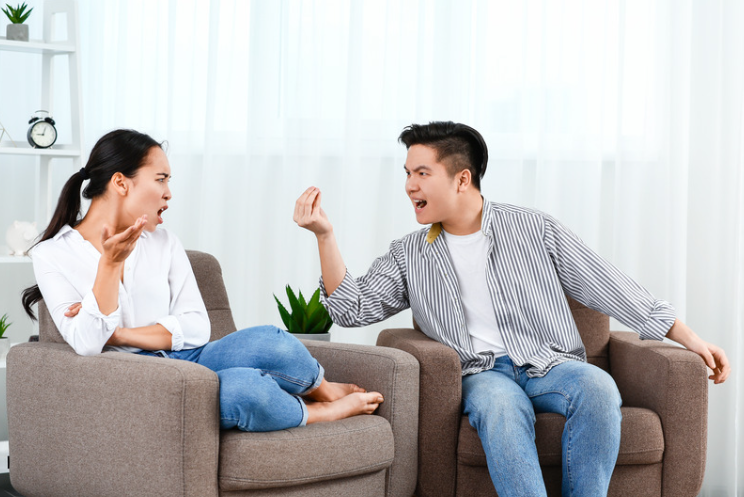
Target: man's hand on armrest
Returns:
[[714, 356]]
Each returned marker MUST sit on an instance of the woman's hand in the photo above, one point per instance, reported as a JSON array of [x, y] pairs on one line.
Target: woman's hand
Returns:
[[117, 247], [73, 310], [309, 214]]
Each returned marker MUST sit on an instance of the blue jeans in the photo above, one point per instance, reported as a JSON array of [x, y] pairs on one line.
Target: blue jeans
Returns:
[[263, 371], [501, 404]]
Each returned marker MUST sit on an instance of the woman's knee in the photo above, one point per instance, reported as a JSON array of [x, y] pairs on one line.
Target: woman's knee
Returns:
[[252, 401]]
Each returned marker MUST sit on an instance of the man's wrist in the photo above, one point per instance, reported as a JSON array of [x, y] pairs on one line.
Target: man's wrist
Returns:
[[325, 237]]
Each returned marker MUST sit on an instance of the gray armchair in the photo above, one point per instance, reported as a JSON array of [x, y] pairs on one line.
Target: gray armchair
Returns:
[[665, 410], [122, 424]]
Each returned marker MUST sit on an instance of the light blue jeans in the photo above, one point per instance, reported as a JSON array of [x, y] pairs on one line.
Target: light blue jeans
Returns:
[[501, 404], [263, 371]]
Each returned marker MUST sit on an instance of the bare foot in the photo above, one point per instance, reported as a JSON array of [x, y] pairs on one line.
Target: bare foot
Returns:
[[329, 391], [345, 407]]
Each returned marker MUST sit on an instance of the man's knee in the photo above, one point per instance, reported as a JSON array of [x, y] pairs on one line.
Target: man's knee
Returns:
[[599, 389]]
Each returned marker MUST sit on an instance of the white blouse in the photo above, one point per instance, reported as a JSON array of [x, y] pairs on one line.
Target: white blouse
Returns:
[[158, 287]]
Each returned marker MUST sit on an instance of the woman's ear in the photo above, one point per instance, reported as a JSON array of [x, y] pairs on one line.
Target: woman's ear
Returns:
[[120, 184], [464, 179]]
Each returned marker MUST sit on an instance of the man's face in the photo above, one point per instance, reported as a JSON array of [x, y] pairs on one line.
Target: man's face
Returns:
[[433, 192]]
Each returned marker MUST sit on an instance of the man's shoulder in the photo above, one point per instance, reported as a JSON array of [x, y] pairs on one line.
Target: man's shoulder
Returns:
[[515, 215], [513, 210]]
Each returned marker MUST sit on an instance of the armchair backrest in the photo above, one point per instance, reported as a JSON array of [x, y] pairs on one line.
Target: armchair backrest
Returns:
[[594, 328], [208, 275]]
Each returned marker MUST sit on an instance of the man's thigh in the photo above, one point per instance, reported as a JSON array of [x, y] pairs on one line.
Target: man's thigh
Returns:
[[494, 393], [571, 384]]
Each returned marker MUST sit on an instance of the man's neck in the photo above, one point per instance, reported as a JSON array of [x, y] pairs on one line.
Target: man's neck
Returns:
[[467, 220]]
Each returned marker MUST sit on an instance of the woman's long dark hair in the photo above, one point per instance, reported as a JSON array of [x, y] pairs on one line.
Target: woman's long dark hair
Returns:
[[122, 151]]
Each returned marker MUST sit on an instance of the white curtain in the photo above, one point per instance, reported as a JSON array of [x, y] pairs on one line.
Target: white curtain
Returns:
[[622, 118]]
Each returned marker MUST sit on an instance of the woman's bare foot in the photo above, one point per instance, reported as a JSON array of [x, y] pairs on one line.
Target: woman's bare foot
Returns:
[[329, 391], [345, 407]]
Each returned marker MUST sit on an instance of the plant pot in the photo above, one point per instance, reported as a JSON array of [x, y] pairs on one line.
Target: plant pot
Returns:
[[325, 337], [17, 32], [4, 347]]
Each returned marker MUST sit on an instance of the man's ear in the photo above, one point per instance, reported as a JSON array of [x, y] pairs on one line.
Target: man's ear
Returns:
[[464, 180], [119, 183]]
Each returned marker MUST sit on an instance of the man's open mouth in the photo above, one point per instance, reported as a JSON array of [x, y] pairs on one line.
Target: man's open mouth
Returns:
[[420, 204]]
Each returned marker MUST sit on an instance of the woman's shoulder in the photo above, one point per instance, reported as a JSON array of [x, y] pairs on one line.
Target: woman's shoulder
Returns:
[[54, 245], [161, 240], [161, 236]]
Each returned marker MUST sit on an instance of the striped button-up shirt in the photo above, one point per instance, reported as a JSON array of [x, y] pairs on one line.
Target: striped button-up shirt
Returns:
[[533, 263]]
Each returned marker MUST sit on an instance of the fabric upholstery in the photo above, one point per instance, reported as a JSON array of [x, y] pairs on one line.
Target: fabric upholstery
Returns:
[[361, 445], [140, 415], [115, 423], [664, 430]]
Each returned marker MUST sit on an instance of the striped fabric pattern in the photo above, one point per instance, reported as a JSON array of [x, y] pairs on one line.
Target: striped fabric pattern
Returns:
[[533, 263]]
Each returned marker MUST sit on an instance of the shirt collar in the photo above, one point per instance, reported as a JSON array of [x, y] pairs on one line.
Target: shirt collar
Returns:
[[67, 228], [64, 229], [436, 229]]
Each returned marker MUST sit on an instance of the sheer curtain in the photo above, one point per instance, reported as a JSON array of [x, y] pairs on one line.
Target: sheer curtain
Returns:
[[622, 118]]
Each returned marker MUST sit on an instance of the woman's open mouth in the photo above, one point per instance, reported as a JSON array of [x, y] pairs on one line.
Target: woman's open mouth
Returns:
[[420, 204]]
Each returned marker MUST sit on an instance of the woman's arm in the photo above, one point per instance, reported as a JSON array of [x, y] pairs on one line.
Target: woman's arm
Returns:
[[116, 249], [154, 337]]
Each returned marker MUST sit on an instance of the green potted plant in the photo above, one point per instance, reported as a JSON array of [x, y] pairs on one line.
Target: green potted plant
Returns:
[[308, 320], [4, 341], [18, 15]]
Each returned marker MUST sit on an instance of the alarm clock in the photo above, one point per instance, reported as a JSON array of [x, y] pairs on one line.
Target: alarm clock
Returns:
[[41, 132]]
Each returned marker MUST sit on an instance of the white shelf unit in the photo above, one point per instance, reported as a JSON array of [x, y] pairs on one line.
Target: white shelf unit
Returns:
[[47, 50]]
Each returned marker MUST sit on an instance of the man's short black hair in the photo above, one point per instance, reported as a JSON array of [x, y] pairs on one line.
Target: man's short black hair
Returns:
[[458, 146]]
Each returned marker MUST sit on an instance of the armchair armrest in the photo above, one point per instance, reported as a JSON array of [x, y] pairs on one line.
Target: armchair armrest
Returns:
[[673, 382], [395, 375], [108, 424], [440, 409]]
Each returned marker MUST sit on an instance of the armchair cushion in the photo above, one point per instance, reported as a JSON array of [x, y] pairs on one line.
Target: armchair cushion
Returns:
[[361, 445], [642, 441]]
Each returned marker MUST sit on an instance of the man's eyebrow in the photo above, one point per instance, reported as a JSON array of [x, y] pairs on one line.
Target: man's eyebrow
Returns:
[[418, 168], [165, 175]]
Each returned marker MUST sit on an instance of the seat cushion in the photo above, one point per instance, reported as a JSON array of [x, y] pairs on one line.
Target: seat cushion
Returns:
[[317, 452], [641, 442]]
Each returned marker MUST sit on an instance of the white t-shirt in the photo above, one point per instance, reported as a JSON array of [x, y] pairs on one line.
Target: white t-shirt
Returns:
[[469, 254], [159, 287]]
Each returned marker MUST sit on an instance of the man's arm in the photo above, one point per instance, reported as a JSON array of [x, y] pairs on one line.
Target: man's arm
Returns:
[[714, 356], [309, 214], [596, 283], [376, 296]]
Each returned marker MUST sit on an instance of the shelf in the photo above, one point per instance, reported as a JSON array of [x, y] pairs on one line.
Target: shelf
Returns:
[[36, 46], [25, 149], [13, 259]]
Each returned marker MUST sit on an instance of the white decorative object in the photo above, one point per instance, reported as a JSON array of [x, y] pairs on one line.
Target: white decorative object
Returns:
[[20, 237], [4, 347]]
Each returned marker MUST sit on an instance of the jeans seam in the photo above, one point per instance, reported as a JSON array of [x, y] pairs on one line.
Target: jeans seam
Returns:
[[289, 379]]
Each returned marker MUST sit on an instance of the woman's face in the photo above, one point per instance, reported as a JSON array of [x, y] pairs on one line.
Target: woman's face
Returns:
[[149, 192]]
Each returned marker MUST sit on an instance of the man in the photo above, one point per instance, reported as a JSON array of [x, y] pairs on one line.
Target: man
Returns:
[[489, 280]]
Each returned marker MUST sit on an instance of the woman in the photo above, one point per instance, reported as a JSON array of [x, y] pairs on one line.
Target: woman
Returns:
[[113, 281]]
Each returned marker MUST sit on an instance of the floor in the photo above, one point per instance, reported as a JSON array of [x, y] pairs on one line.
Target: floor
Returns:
[[6, 489]]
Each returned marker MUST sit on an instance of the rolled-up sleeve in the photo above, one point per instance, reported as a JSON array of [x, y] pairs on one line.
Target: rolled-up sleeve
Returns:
[[88, 331], [599, 285], [371, 298]]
